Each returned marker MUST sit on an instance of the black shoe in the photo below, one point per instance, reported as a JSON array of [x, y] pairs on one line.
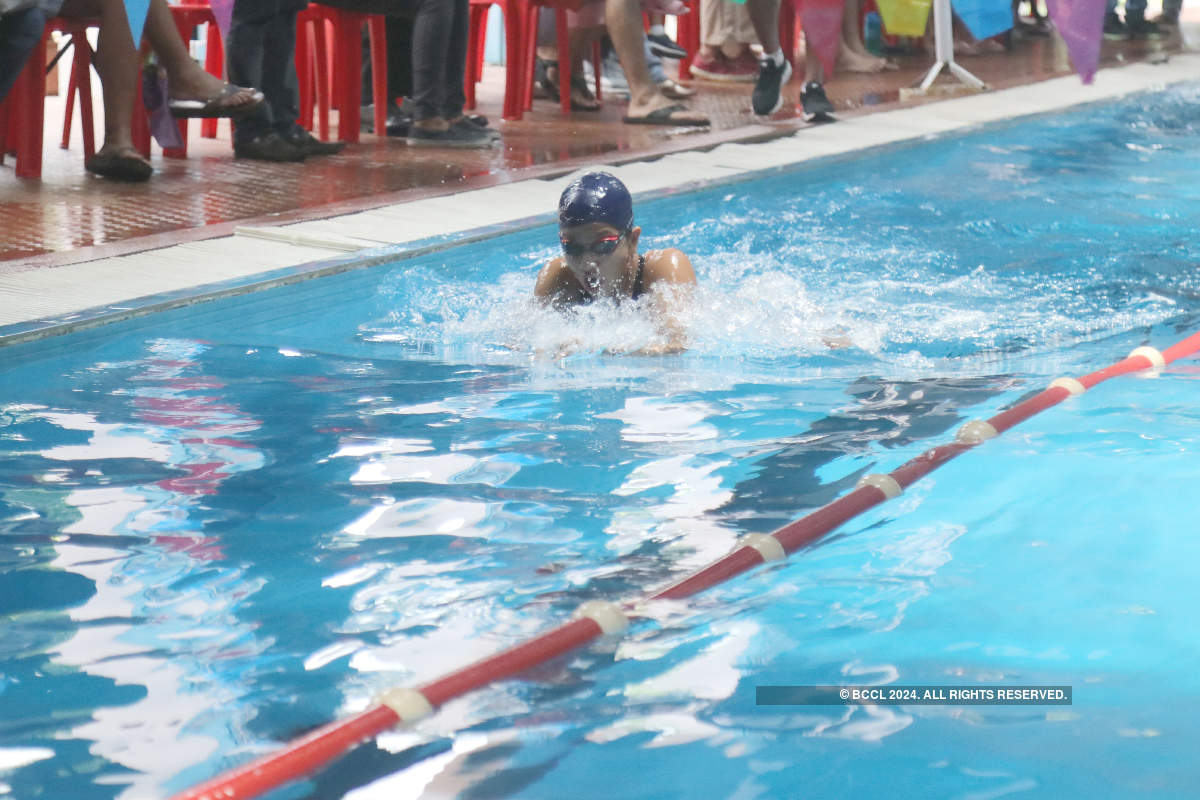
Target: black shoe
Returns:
[[397, 120], [1141, 28], [664, 47], [1114, 29], [470, 126], [816, 105], [460, 135], [767, 97], [268, 147], [310, 145]]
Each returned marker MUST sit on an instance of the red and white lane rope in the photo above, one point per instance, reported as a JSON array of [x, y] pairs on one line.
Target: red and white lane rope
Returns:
[[597, 618]]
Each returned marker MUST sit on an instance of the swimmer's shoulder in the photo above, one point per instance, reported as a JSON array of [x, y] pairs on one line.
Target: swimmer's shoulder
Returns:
[[556, 284], [668, 265]]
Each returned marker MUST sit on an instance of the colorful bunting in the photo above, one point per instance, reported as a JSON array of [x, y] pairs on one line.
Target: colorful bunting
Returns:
[[1081, 25], [223, 11], [984, 18], [904, 17], [822, 23], [137, 10]]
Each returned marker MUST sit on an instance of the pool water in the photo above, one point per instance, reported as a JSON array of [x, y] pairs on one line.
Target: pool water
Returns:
[[224, 525]]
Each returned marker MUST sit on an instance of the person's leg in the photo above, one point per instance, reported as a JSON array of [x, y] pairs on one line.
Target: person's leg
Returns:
[[624, 21], [186, 79], [774, 70], [455, 71], [117, 64], [20, 34], [244, 45], [280, 83], [431, 34]]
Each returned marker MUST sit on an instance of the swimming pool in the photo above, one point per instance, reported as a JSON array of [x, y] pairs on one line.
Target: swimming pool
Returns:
[[226, 524]]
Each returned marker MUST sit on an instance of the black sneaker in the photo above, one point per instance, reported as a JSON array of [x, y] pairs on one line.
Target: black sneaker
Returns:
[[665, 47], [471, 125], [268, 147], [1141, 28], [816, 105], [767, 97], [311, 145], [462, 135], [1114, 29]]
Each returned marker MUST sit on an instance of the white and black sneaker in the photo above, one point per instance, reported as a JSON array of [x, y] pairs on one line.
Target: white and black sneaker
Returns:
[[767, 97], [664, 46], [815, 104]]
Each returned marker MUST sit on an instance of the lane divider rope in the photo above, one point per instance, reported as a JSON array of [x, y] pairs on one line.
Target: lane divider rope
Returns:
[[601, 618]]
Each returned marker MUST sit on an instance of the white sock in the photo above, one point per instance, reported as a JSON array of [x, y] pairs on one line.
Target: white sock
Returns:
[[776, 57], [658, 30]]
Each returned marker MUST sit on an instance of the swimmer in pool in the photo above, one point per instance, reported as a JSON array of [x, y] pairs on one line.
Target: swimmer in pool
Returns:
[[600, 259]]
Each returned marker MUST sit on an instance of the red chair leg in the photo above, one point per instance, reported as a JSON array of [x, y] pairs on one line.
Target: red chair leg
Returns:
[[29, 93], [87, 122], [597, 65], [514, 82], [214, 64], [69, 108], [689, 38], [321, 69], [379, 60], [529, 25], [477, 38], [349, 75], [564, 59]]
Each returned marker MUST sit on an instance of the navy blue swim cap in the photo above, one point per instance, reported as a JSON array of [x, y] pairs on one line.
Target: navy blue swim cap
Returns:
[[596, 197]]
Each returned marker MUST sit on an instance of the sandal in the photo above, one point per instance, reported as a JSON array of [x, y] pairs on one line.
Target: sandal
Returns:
[[665, 116], [547, 87], [215, 106], [122, 165]]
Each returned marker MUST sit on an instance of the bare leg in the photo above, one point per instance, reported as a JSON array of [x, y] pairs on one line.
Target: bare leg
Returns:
[[187, 80], [814, 72], [764, 16], [116, 62], [853, 55], [624, 21]]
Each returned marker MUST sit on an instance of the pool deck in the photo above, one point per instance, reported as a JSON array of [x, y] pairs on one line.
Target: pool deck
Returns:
[[77, 251]]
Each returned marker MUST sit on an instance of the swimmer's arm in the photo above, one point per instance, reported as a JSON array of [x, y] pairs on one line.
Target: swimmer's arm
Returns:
[[556, 286], [669, 280]]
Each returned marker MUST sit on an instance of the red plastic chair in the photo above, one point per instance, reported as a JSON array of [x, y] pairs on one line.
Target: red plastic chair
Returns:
[[529, 39], [513, 11], [329, 65]]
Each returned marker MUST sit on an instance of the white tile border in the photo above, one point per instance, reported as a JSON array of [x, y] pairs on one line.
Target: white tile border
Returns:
[[44, 302]]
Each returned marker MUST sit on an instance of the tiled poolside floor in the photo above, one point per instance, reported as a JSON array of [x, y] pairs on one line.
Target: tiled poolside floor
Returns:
[[70, 216]]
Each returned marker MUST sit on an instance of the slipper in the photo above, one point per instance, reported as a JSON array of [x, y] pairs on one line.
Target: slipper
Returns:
[[215, 106], [662, 116], [119, 167], [546, 88]]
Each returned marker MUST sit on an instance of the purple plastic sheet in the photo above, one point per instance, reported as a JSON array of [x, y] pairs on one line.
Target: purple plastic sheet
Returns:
[[163, 126], [1081, 24], [223, 11]]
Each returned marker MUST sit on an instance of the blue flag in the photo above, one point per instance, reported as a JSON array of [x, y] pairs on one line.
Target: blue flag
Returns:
[[984, 18], [137, 9]]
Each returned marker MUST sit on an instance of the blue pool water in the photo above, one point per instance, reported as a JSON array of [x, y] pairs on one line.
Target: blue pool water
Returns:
[[223, 525]]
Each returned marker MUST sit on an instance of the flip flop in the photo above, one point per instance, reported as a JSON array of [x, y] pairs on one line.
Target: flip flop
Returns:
[[131, 169], [215, 107], [662, 116]]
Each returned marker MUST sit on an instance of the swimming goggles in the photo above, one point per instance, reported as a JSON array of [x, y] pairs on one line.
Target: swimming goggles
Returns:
[[600, 247]]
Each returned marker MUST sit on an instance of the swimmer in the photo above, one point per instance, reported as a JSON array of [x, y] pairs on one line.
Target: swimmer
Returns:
[[600, 260]]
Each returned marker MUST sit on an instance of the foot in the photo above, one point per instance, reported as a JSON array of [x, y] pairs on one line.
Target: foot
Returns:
[[725, 70], [196, 84], [472, 122], [1114, 28], [120, 163], [664, 111], [851, 61], [665, 47], [582, 98], [814, 103], [676, 90], [440, 133], [1142, 28], [310, 145], [767, 97], [268, 147]]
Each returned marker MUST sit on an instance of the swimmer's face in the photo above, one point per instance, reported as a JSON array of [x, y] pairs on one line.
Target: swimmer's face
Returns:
[[597, 254]]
